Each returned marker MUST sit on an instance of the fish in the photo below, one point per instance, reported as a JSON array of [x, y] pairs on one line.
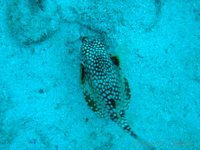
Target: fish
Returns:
[[105, 88]]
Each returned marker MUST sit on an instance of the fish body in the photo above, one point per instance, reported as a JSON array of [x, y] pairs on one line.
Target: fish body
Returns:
[[105, 88]]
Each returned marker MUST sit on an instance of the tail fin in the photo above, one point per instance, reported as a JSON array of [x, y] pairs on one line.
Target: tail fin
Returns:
[[125, 125], [146, 144]]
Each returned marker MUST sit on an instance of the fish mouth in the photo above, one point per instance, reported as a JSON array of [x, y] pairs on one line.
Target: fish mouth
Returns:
[[92, 38], [84, 39]]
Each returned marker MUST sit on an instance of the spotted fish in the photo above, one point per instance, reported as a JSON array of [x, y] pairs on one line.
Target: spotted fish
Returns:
[[105, 88]]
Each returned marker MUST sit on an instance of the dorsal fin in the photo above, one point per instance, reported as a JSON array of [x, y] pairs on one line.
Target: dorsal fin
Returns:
[[115, 60]]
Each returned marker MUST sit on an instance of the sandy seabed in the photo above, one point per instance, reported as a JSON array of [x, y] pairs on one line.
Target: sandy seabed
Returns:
[[41, 102]]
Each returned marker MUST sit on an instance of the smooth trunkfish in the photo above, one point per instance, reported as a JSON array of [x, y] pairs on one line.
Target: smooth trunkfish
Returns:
[[105, 88]]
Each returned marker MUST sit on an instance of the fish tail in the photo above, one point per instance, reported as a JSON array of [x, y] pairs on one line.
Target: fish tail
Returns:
[[147, 145]]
